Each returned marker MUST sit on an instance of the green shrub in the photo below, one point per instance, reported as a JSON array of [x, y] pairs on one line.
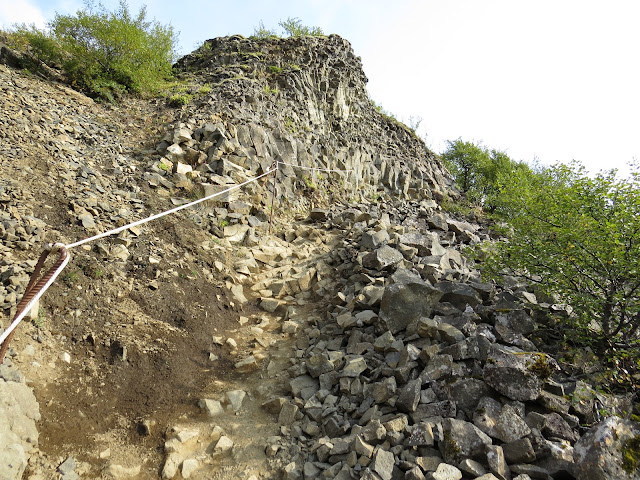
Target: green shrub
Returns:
[[291, 27], [179, 99], [480, 172], [262, 32], [578, 237], [106, 53]]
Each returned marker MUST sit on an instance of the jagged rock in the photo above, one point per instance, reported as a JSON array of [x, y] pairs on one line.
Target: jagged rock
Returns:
[[519, 451], [319, 214], [608, 451], [18, 434], [409, 396], [446, 472], [382, 464], [466, 392], [211, 407], [462, 440], [382, 258], [512, 373], [373, 239], [406, 300], [497, 463], [458, 294]]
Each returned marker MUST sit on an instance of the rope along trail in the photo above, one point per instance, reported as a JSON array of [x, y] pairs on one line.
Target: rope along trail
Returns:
[[35, 289]]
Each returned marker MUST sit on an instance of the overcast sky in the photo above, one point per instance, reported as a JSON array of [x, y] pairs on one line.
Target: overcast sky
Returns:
[[552, 79]]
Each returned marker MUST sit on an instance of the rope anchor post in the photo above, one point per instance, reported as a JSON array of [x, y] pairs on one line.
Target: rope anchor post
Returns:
[[35, 289]]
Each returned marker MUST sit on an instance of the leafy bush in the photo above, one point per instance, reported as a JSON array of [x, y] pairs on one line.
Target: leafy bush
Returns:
[[577, 237], [106, 53], [262, 32], [291, 27], [479, 172]]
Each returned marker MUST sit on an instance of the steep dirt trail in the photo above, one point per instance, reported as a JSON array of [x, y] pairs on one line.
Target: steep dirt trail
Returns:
[[114, 405]]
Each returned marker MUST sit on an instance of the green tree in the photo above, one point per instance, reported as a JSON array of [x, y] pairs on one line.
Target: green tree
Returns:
[[480, 172], [291, 27], [577, 237], [105, 52]]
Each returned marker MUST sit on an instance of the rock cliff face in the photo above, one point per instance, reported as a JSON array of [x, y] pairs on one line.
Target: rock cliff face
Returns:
[[302, 101]]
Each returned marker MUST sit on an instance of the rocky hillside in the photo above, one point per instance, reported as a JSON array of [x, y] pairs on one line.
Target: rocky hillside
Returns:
[[353, 341]]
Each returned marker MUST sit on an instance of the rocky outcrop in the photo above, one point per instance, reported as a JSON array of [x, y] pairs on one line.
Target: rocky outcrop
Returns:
[[301, 101]]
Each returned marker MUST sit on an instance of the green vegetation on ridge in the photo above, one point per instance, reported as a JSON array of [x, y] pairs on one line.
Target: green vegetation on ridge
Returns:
[[291, 27], [104, 53], [574, 236]]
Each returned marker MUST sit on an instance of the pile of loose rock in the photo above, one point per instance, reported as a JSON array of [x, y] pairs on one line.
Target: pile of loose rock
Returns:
[[419, 370]]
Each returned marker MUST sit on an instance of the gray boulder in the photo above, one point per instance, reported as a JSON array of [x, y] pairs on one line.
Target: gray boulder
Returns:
[[458, 294], [406, 300], [372, 239], [514, 373], [609, 451], [462, 440], [382, 258]]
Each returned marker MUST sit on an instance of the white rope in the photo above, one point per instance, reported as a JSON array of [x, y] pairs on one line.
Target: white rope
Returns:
[[35, 299], [167, 212], [55, 274], [313, 168]]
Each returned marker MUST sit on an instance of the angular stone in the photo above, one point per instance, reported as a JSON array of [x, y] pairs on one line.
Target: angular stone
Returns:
[[409, 396], [519, 451], [466, 392], [363, 448], [382, 258], [319, 214], [510, 426], [382, 464], [406, 300], [440, 366], [354, 366], [512, 373], [318, 364], [458, 294], [211, 407], [517, 321], [372, 239], [421, 435], [446, 472], [428, 464], [472, 467], [425, 244], [414, 474], [497, 463], [236, 397], [462, 440], [557, 427], [287, 414]]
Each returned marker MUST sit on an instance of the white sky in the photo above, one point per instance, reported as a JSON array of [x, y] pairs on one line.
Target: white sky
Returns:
[[552, 79]]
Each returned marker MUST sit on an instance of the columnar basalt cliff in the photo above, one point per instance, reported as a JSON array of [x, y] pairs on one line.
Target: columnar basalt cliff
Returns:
[[303, 101]]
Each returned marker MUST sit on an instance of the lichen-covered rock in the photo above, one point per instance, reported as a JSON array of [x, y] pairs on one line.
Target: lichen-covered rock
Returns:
[[514, 373], [462, 440], [609, 451]]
